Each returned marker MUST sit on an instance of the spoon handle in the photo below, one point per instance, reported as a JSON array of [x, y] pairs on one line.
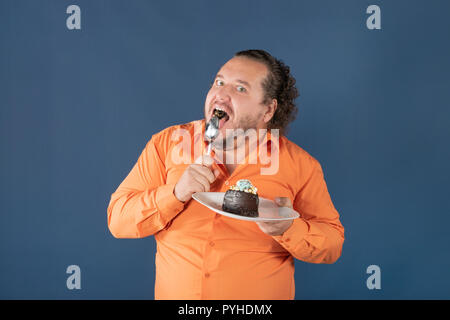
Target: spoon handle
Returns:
[[208, 151]]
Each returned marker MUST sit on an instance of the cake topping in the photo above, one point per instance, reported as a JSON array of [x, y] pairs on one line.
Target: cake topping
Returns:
[[245, 186]]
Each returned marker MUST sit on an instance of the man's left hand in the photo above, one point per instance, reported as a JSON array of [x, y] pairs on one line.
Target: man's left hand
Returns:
[[277, 228]]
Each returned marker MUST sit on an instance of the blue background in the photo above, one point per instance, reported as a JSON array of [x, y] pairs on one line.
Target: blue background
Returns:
[[78, 106]]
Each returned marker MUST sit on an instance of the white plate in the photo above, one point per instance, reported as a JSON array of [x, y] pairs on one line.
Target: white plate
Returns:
[[267, 209]]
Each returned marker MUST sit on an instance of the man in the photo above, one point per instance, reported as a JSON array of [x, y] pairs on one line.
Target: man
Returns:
[[204, 255]]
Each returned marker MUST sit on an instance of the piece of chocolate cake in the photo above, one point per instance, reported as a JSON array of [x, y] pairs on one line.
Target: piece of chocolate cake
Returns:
[[241, 199]]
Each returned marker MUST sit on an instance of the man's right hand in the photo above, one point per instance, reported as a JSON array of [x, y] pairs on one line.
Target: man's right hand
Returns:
[[197, 177]]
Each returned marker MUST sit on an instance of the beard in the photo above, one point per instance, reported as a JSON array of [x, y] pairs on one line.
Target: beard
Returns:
[[235, 137]]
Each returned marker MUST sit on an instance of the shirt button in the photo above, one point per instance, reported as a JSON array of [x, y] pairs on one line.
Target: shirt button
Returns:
[[207, 275], [287, 240], [226, 182], [211, 243]]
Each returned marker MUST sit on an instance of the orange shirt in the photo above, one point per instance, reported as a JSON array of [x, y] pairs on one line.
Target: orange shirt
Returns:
[[204, 255]]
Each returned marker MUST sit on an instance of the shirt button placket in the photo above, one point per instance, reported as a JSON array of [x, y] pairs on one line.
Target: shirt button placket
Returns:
[[208, 262]]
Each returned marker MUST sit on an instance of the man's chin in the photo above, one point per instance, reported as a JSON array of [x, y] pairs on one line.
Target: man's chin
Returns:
[[231, 141]]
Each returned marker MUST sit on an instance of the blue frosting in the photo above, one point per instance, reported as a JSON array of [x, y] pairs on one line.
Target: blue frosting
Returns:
[[244, 185]]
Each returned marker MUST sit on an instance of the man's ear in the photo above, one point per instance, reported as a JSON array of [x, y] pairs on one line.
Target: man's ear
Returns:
[[271, 108]]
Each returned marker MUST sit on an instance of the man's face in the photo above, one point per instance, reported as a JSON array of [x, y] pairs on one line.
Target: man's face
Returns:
[[237, 90]]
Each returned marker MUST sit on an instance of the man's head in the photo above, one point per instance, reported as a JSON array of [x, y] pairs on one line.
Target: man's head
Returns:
[[255, 90]]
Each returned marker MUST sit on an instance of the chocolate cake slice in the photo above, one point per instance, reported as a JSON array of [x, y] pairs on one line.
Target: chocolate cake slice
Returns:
[[241, 199]]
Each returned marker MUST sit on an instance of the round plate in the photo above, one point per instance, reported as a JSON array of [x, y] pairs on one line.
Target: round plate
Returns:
[[267, 209]]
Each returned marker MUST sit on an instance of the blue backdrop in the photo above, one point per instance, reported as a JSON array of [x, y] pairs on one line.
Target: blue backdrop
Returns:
[[78, 106]]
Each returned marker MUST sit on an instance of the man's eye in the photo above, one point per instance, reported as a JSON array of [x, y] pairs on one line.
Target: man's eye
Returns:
[[219, 82], [241, 89]]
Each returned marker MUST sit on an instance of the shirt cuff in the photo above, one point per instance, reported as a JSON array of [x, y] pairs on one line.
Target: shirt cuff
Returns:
[[293, 235], [168, 205]]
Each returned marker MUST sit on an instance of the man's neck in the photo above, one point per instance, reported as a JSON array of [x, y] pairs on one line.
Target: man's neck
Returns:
[[231, 168], [239, 155]]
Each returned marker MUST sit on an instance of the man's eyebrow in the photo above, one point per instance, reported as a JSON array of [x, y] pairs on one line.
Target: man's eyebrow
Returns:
[[245, 83], [240, 81]]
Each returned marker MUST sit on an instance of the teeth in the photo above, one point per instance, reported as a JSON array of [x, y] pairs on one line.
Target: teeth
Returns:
[[219, 109]]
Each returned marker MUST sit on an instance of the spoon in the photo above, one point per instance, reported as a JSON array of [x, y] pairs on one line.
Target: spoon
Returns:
[[211, 132]]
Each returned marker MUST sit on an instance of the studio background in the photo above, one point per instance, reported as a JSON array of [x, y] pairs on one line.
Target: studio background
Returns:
[[78, 107]]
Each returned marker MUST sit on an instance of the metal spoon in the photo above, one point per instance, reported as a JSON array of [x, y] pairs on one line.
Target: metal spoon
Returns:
[[211, 132]]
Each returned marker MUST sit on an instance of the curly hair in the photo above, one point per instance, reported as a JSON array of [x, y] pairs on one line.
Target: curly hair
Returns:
[[280, 85]]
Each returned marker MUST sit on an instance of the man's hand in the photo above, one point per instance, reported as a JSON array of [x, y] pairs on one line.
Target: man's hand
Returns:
[[197, 177], [277, 228]]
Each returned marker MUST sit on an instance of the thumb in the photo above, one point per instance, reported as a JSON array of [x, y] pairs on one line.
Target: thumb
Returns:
[[205, 160], [283, 202]]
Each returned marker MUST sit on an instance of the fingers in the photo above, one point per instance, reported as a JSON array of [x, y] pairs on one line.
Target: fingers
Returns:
[[205, 172], [196, 178], [203, 182], [205, 160], [208, 162]]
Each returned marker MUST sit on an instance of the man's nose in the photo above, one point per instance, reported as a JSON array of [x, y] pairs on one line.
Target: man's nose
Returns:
[[223, 93]]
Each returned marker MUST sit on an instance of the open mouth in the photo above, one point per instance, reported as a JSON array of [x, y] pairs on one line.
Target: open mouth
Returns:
[[221, 115]]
